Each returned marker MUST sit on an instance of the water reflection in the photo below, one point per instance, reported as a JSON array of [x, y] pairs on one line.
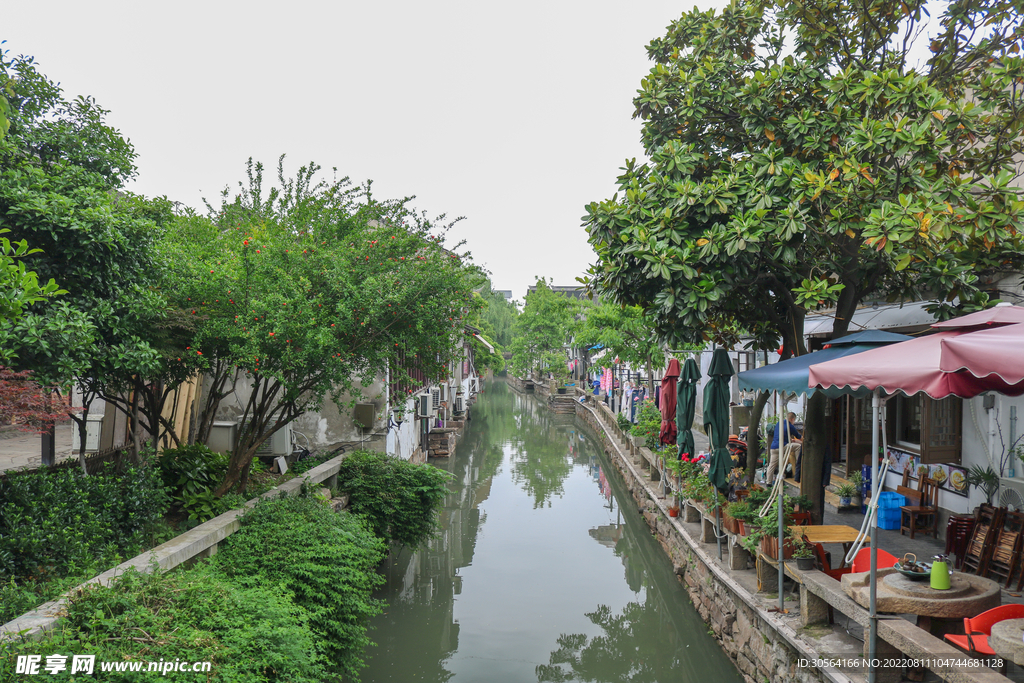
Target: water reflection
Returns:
[[538, 575]]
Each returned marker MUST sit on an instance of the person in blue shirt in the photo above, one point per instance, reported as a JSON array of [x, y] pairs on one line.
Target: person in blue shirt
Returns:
[[791, 440]]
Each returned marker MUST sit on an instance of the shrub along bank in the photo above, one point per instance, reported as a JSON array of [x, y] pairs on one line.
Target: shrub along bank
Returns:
[[286, 598]]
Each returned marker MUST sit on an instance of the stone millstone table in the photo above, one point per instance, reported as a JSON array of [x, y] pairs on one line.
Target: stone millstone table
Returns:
[[1007, 640], [938, 611]]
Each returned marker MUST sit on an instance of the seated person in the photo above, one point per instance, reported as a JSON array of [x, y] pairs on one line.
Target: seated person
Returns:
[[791, 439]]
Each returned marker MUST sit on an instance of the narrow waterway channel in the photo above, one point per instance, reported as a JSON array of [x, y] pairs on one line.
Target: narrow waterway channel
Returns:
[[544, 570]]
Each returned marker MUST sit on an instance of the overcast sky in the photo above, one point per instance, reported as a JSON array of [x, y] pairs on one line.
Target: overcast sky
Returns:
[[512, 115]]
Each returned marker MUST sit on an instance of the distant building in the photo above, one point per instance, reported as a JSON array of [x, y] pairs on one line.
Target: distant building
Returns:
[[507, 293], [574, 292]]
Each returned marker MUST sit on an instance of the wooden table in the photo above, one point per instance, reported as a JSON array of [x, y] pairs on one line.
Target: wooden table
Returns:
[[831, 533]]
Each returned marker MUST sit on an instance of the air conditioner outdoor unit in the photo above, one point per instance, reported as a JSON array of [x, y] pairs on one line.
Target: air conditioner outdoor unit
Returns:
[[1011, 494], [458, 404], [426, 408], [435, 399], [280, 443]]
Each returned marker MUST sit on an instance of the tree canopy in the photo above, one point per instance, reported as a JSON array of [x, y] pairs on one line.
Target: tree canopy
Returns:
[[543, 331], [798, 161], [308, 287]]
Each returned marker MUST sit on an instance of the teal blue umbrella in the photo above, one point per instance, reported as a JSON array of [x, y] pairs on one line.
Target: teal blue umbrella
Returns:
[[716, 418], [686, 406], [791, 376]]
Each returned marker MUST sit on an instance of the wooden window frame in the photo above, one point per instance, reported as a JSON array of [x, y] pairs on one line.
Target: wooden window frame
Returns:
[[930, 455]]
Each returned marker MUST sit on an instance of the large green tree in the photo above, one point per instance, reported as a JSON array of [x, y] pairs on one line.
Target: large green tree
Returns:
[[310, 289], [543, 331], [626, 331], [798, 160], [63, 169]]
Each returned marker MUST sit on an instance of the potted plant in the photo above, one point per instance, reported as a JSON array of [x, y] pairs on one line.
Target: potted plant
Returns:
[[845, 493], [744, 513], [768, 531], [857, 482], [804, 554], [729, 518], [802, 504], [673, 510], [986, 479]]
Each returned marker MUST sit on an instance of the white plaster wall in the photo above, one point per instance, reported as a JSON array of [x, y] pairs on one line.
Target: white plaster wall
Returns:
[[330, 425], [402, 441]]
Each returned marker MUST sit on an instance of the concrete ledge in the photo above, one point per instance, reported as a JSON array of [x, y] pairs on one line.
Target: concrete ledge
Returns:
[[198, 542]]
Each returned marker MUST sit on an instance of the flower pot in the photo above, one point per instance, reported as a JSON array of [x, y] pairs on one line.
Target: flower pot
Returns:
[[731, 524], [673, 512], [844, 502], [805, 563], [770, 547], [561, 390], [744, 530]]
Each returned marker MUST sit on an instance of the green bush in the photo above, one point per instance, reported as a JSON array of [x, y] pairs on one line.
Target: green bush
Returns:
[[623, 422], [54, 523], [399, 500], [251, 634], [325, 560], [190, 470], [648, 424]]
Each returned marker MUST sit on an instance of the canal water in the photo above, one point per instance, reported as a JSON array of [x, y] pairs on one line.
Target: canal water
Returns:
[[544, 569]]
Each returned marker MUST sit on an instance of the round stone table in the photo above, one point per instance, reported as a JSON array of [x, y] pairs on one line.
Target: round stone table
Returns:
[[1007, 640], [938, 611]]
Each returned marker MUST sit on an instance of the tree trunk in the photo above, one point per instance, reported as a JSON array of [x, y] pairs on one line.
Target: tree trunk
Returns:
[[650, 377], [82, 423], [812, 454], [136, 437], [753, 434]]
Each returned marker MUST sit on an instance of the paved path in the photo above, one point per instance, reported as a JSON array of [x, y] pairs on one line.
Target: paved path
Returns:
[[22, 449]]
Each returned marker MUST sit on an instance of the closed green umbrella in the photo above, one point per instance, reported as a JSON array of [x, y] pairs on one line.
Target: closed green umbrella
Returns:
[[716, 418], [686, 406]]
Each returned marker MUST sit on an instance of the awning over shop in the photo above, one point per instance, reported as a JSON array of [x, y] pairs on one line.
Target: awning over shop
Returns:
[[885, 317], [792, 375], [914, 366]]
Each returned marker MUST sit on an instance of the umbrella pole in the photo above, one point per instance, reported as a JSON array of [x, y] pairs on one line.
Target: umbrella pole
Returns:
[[872, 528]]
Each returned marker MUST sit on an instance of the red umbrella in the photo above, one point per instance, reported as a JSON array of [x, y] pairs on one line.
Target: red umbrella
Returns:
[[1000, 314], [986, 353], [667, 435], [914, 366]]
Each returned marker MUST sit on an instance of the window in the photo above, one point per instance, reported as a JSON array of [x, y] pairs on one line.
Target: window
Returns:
[[908, 420], [929, 427]]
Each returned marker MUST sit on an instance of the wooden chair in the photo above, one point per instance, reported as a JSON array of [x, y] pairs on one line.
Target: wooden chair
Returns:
[[979, 629], [980, 547], [924, 515], [1006, 552], [802, 518], [826, 563]]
